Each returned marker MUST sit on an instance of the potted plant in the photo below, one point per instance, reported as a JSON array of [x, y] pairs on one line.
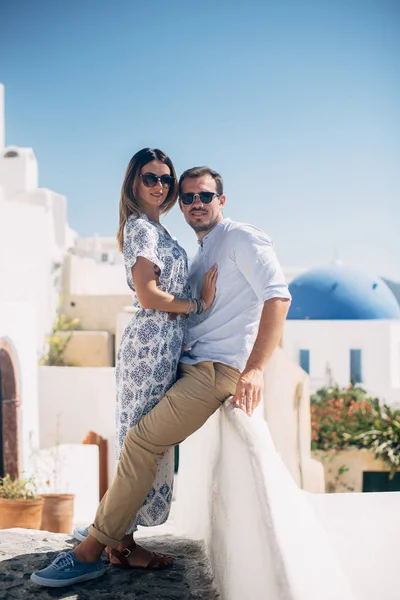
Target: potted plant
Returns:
[[58, 513], [48, 465], [20, 504]]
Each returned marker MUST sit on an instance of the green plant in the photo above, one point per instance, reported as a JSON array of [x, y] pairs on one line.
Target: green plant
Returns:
[[341, 418], [18, 489], [337, 482], [57, 343], [384, 435]]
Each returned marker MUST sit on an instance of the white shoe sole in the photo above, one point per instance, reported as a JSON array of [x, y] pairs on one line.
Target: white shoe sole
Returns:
[[56, 583], [78, 536]]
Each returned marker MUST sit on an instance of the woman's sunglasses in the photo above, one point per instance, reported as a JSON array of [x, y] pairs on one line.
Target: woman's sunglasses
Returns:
[[151, 179], [204, 197]]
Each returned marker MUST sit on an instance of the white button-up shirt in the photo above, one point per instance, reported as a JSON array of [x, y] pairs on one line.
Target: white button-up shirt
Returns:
[[248, 274]]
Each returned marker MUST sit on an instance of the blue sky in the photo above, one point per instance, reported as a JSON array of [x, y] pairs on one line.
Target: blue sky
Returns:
[[295, 103]]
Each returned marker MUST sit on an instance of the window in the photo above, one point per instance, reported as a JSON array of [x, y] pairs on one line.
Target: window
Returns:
[[11, 154], [305, 360], [104, 257], [355, 366], [377, 481]]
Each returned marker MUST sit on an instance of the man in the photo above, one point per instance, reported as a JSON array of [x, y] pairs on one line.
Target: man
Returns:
[[226, 352]]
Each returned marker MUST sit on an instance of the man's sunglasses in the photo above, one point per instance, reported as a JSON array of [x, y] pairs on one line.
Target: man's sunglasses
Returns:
[[151, 179], [204, 197]]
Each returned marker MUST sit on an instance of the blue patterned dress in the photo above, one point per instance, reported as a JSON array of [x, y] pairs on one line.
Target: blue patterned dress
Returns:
[[149, 352]]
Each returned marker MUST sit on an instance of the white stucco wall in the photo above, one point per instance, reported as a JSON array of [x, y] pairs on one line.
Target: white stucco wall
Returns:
[[266, 538], [88, 277], [81, 398], [102, 249], [18, 173], [330, 342], [71, 469], [287, 412], [54, 203], [18, 327], [260, 531], [395, 357], [28, 260], [74, 401], [363, 530]]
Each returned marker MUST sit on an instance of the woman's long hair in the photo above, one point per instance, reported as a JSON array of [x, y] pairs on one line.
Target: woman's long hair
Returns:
[[129, 203]]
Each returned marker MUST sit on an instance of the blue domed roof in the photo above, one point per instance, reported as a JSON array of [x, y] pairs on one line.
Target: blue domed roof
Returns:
[[336, 293]]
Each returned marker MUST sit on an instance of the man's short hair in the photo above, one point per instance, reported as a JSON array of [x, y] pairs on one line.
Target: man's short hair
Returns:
[[196, 172]]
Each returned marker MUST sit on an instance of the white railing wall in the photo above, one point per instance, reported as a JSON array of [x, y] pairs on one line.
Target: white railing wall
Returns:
[[260, 531]]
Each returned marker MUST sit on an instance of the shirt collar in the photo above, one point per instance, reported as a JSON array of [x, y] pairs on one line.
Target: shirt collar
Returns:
[[211, 234]]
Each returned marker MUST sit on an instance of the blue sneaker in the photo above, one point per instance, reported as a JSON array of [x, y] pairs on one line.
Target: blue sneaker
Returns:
[[80, 533], [65, 570]]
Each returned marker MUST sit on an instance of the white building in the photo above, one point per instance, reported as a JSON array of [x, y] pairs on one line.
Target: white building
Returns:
[[33, 234], [101, 249], [344, 326], [32, 247]]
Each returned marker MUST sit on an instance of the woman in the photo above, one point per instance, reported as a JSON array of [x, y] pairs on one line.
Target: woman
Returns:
[[157, 273]]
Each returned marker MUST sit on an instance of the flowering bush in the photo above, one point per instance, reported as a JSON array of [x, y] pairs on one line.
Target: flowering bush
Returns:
[[341, 418], [18, 489]]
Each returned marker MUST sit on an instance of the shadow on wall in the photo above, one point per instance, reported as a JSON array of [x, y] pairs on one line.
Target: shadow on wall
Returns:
[[287, 412]]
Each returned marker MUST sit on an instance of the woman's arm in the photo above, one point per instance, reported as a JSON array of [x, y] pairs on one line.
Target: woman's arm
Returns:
[[150, 296]]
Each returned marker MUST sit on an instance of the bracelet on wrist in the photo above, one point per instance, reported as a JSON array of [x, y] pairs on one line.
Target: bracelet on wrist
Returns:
[[201, 306], [196, 306]]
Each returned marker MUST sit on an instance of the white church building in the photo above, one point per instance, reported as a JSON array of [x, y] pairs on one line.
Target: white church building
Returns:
[[344, 326]]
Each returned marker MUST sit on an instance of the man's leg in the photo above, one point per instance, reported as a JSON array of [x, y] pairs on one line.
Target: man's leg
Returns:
[[198, 393]]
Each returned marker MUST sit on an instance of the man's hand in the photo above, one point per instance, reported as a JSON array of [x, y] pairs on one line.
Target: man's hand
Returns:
[[249, 390]]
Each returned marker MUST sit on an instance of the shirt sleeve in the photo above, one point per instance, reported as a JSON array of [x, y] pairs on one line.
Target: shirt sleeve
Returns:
[[140, 239], [256, 260]]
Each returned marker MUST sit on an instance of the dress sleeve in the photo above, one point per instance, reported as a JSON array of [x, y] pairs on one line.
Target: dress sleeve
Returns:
[[141, 239]]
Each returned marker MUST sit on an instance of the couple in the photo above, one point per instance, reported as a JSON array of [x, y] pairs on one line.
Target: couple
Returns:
[[228, 314]]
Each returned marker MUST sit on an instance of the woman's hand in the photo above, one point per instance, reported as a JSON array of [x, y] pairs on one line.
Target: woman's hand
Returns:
[[209, 286]]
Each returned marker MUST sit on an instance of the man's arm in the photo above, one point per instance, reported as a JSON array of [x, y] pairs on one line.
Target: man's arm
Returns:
[[251, 383]]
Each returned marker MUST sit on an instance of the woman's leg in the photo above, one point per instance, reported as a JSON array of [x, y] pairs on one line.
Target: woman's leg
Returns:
[[154, 512]]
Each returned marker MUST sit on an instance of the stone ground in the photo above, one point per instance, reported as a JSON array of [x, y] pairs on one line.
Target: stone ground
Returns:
[[23, 551]]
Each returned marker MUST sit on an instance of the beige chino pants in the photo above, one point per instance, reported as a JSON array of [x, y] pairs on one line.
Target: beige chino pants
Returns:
[[197, 394]]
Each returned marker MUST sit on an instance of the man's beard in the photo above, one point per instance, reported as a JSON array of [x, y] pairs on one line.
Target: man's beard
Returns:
[[199, 227]]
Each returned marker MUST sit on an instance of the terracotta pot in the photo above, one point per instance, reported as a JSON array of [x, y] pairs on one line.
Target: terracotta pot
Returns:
[[21, 513], [58, 513]]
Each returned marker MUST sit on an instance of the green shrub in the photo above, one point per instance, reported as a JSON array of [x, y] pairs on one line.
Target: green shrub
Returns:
[[57, 344]]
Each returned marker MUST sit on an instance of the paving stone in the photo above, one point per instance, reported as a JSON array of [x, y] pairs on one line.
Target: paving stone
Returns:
[[23, 551]]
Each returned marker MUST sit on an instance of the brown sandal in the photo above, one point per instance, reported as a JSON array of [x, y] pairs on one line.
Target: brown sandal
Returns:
[[156, 562]]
